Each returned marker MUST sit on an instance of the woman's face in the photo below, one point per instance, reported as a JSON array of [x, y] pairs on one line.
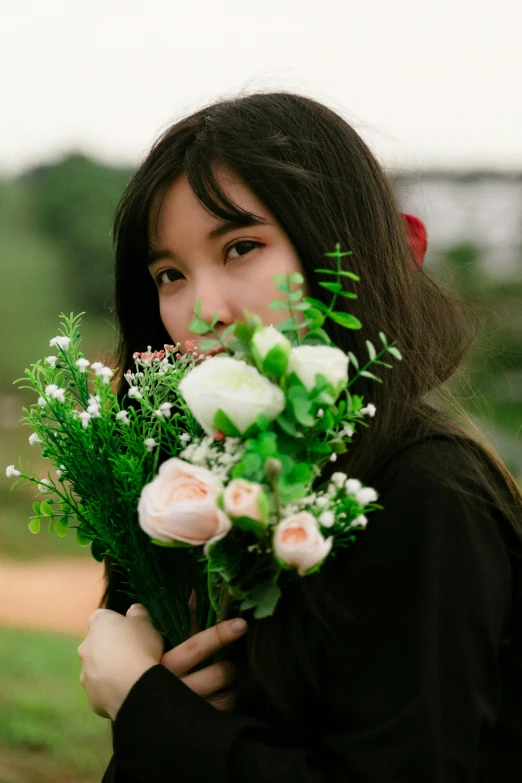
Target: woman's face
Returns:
[[195, 256]]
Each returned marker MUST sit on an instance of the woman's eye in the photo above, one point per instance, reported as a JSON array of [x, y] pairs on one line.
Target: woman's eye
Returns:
[[168, 276], [245, 246]]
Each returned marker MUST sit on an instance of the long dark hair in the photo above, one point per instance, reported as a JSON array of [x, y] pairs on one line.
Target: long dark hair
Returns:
[[320, 181]]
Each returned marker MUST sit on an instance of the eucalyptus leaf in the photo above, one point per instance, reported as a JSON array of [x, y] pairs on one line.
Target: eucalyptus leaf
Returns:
[[278, 304], [46, 508], [346, 320], [334, 287], [317, 303], [371, 350], [353, 359], [81, 538], [207, 345], [34, 525], [367, 374], [198, 326], [60, 526], [395, 352]]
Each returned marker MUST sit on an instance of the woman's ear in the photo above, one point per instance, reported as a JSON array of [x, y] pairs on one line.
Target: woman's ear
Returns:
[[417, 236]]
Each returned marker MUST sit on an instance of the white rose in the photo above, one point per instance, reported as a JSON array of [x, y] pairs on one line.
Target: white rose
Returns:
[[265, 339], [299, 543], [237, 388], [180, 505], [308, 360]]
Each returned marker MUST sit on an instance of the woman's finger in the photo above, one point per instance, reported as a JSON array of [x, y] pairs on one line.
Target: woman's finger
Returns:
[[181, 659], [224, 701], [209, 681]]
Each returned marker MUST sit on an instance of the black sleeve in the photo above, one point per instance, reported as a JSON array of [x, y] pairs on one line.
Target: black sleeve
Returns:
[[429, 587]]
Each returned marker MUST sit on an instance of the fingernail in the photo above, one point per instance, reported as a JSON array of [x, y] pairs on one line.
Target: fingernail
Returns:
[[238, 625]]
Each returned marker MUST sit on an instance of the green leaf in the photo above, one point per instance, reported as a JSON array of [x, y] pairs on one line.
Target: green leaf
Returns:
[[243, 331], [228, 331], [316, 337], [60, 526], [198, 326], [46, 508], [346, 320], [206, 345], [197, 307], [287, 425], [303, 306], [301, 408], [264, 598], [296, 277], [276, 361], [382, 337], [98, 551], [371, 350], [348, 294], [295, 296], [278, 304], [65, 508], [367, 374], [36, 508], [334, 287], [223, 423], [395, 352], [300, 473], [34, 525], [317, 303], [290, 492], [353, 359], [249, 525], [81, 538], [171, 544], [288, 325]]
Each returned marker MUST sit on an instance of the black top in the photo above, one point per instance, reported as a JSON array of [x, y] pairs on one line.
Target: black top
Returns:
[[427, 687]]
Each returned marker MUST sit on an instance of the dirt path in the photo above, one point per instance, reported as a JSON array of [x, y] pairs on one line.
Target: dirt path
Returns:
[[53, 594]]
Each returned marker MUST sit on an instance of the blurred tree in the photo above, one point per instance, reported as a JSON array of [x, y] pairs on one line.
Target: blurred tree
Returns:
[[73, 203]]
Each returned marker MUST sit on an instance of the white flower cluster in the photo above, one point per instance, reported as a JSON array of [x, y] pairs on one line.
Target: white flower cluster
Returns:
[[55, 392], [206, 453], [61, 342], [102, 371], [323, 505]]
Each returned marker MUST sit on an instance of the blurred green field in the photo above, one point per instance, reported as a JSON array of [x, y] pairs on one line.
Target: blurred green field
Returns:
[[47, 730]]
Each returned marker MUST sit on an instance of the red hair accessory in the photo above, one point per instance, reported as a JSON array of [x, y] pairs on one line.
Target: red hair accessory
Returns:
[[417, 236]]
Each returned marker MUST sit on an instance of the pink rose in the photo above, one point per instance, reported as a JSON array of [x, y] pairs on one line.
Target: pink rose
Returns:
[[299, 543], [244, 498], [180, 505]]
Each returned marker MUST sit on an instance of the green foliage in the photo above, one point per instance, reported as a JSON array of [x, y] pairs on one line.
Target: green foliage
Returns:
[[45, 719], [73, 203]]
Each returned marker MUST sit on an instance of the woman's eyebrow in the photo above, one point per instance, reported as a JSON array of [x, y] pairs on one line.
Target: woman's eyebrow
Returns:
[[219, 231]]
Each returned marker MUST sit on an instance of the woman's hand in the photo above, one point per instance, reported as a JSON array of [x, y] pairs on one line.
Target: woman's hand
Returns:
[[118, 650], [114, 655], [212, 682]]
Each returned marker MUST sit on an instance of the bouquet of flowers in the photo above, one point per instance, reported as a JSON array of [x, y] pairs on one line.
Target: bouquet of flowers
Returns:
[[202, 476]]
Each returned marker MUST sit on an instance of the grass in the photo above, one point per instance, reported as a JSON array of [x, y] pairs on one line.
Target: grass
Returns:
[[47, 729]]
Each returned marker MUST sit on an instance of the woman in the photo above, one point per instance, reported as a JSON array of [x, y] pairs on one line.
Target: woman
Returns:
[[401, 660]]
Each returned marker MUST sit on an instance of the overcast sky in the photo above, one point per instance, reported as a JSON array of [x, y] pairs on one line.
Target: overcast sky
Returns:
[[436, 83]]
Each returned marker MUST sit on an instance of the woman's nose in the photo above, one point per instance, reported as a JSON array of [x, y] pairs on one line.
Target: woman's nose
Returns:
[[214, 302]]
